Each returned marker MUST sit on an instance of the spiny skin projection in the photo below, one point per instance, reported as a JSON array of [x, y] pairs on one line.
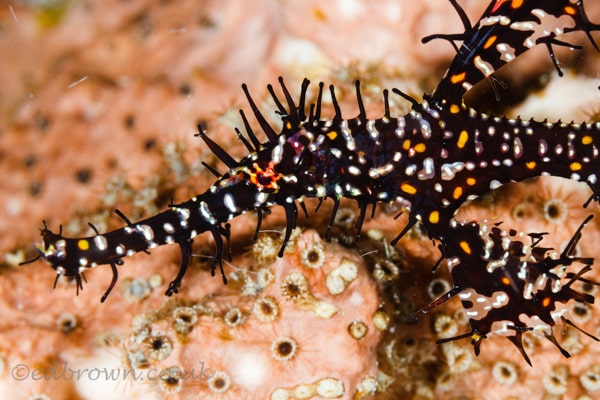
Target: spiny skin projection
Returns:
[[521, 286], [427, 163]]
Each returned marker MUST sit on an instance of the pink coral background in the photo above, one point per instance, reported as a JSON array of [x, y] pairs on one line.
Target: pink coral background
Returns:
[[104, 86]]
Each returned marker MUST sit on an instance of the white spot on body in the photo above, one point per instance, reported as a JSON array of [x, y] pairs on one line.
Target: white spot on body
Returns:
[[354, 170], [570, 150], [260, 199], [350, 143], [184, 216], [206, 214], [449, 170], [100, 242], [146, 231], [230, 203], [542, 147], [400, 128], [481, 305], [558, 149], [410, 170], [168, 228], [277, 152], [373, 132], [522, 26], [337, 153], [425, 129], [380, 171], [507, 53], [517, 148], [478, 147], [486, 68], [428, 171]]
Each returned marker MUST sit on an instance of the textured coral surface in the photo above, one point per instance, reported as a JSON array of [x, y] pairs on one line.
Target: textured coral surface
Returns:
[[98, 111]]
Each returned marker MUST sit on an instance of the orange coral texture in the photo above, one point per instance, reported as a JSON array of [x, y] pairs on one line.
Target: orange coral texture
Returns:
[[99, 105]]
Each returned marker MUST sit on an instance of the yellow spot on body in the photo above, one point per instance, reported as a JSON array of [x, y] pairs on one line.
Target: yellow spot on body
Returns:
[[490, 42], [406, 144], [530, 164], [575, 166], [332, 135], [476, 337], [587, 140], [458, 77], [406, 188], [83, 244], [420, 147], [458, 191], [464, 245], [505, 280], [454, 109], [516, 4], [570, 10], [546, 301], [434, 217], [471, 181], [462, 139]]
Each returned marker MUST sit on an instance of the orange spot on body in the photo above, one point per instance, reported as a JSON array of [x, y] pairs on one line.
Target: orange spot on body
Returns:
[[498, 5], [407, 188], [490, 42], [434, 217], [575, 166], [464, 245], [458, 77], [462, 139], [458, 191], [546, 302], [420, 147]]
